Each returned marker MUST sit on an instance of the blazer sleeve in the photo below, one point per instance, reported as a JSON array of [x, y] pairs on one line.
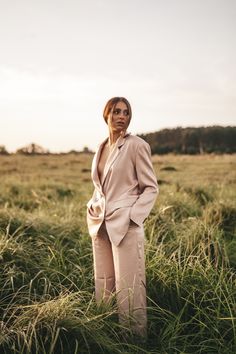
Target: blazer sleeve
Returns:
[[147, 184]]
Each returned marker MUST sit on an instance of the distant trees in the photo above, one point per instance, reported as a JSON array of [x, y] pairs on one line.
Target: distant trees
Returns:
[[191, 140], [32, 149], [86, 150], [213, 139], [3, 150]]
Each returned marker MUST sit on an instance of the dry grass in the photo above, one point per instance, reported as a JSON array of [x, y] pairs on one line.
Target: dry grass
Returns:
[[46, 284]]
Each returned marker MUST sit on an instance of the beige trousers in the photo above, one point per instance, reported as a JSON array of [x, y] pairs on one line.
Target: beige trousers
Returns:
[[122, 269]]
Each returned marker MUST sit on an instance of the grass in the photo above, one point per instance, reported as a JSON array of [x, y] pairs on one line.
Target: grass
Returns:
[[47, 300]]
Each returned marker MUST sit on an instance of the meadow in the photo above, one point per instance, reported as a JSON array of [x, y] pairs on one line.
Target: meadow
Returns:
[[47, 300]]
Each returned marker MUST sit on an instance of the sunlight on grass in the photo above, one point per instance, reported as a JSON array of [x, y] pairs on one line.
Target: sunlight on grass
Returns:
[[46, 282]]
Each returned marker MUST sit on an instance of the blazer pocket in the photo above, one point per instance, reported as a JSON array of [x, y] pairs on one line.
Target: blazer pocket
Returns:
[[122, 203]]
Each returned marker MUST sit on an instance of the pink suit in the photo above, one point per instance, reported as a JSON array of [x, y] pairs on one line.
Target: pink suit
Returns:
[[121, 202]]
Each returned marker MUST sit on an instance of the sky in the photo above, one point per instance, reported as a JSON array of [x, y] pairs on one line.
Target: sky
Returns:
[[61, 60]]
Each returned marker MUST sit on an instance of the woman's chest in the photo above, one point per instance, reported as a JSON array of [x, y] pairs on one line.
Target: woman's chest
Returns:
[[104, 155], [117, 163]]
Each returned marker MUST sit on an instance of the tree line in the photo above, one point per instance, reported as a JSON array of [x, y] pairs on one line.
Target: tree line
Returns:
[[34, 149], [213, 139]]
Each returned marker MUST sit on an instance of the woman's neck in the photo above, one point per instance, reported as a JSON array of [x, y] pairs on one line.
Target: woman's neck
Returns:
[[114, 136]]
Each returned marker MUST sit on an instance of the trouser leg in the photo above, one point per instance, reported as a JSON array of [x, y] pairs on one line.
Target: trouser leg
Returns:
[[129, 264], [104, 274]]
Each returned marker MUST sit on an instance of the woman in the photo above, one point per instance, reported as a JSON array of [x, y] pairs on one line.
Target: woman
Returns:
[[124, 194]]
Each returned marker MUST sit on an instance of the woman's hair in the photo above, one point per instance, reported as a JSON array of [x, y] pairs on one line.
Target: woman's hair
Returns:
[[111, 104]]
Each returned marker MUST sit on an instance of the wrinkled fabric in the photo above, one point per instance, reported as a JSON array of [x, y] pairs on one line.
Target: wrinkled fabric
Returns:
[[121, 269], [127, 191]]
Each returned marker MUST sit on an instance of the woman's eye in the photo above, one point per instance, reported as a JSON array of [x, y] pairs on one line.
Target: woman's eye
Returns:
[[117, 111]]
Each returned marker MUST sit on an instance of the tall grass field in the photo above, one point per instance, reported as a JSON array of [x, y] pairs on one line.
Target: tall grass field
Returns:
[[47, 302]]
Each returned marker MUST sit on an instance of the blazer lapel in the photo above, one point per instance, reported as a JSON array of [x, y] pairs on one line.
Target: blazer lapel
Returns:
[[113, 156]]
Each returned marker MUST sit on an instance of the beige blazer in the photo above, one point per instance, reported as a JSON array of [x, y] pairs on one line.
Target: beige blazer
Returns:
[[127, 191]]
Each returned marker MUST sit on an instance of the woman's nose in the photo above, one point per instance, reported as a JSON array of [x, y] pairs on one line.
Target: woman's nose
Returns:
[[122, 115]]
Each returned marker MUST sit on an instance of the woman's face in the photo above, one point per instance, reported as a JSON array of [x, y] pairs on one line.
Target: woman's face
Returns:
[[120, 118]]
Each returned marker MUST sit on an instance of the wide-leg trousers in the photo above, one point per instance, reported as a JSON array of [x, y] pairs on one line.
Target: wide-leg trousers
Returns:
[[121, 269]]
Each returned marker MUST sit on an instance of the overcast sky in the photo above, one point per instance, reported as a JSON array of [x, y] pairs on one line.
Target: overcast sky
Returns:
[[61, 60]]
